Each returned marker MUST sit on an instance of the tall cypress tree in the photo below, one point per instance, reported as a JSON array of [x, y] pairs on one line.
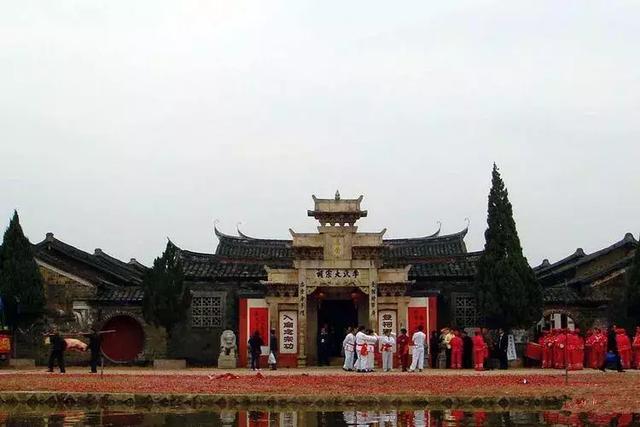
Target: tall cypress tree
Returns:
[[21, 285], [165, 300], [507, 292], [633, 291]]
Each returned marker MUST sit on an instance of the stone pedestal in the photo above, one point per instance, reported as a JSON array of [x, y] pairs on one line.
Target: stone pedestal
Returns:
[[22, 363], [169, 364], [227, 362]]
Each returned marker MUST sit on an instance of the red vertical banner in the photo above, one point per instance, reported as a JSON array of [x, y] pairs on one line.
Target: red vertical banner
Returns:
[[259, 321], [242, 335], [433, 313], [416, 316]]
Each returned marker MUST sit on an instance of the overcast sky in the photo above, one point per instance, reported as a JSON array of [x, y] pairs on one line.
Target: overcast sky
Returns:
[[124, 122]]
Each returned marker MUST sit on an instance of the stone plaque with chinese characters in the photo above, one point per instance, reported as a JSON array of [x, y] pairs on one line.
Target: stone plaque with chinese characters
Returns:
[[288, 332], [387, 321], [337, 276]]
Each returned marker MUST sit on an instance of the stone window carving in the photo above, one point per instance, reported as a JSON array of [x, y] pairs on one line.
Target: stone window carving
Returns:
[[207, 309], [465, 314]]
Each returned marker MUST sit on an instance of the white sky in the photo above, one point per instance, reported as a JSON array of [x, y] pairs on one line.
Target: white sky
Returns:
[[124, 122]]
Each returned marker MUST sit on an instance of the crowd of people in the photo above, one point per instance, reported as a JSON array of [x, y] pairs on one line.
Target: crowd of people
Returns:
[[448, 348], [563, 348]]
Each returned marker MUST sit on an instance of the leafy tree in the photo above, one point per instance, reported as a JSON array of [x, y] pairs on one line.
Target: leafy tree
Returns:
[[633, 291], [21, 285], [507, 291], [165, 300]]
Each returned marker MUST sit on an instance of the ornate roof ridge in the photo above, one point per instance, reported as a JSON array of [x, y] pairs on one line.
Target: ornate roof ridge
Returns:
[[628, 239], [243, 238], [436, 237], [96, 260]]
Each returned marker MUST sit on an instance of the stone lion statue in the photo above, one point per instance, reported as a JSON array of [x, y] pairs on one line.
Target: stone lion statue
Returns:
[[228, 343]]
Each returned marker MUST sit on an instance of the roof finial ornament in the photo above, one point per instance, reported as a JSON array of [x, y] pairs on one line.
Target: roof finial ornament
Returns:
[[468, 222], [337, 195]]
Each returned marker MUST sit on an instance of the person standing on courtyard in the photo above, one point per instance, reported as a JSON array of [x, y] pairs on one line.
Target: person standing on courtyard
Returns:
[[480, 351], [624, 348], [273, 350], [372, 340], [58, 346], [95, 342], [447, 334], [387, 344], [362, 348], [503, 344], [491, 348], [467, 350], [418, 341], [348, 346], [434, 349], [323, 347], [457, 345], [255, 349], [636, 349], [612, 347], [402, 343]]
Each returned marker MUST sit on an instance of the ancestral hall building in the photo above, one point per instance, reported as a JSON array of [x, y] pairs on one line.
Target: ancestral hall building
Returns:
[[335, 277]]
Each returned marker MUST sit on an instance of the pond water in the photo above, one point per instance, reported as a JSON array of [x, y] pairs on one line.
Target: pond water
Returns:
[[71, 417]]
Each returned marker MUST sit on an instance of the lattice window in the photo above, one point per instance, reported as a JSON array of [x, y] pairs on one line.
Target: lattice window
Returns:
[[465, 314], [207, 310]]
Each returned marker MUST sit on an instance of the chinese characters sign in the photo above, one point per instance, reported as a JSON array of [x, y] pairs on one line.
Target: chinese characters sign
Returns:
[[337, 276], [288, 332], [387, 321]]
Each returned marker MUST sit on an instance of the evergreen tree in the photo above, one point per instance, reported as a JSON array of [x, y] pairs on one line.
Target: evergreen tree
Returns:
[[21, 285], [633, 291], [507, 292], [165, 300]]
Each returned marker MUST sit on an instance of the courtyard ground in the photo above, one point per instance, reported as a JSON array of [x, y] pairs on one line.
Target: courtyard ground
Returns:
[[586, 390]]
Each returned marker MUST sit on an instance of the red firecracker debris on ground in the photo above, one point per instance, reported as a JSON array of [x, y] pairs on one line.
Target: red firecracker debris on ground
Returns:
[[587, 392]]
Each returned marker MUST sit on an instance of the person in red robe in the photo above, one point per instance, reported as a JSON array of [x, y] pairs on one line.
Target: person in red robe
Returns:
[[559, 350], [588, 347], [480, 351], [548, 347], [546, 351], [599, 348], [624, 348], [575, 350], [635, 345], [456, 344], [402, 345]]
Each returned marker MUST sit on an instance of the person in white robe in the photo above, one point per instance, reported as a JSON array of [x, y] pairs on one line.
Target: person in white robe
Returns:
[[348, 346], [362, 348], [371, 350], [417, 356], [387, 349]]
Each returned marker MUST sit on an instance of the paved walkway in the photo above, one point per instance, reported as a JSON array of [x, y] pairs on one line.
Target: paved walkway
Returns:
[[317, 371]]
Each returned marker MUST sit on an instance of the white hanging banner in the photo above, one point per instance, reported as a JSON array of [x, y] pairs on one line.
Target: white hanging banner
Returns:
[[288, 332], [511, 348]]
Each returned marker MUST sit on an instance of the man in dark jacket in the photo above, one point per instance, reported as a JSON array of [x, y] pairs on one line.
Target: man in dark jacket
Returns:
[[612, 347], [58, 346], [503, 344], [94, 347], [273, 349], [434, 348]]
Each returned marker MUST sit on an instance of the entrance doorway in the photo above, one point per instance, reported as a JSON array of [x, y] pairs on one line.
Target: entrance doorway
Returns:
[[337, 316]]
